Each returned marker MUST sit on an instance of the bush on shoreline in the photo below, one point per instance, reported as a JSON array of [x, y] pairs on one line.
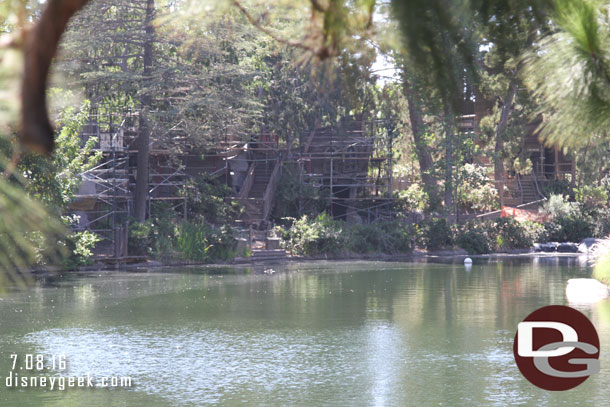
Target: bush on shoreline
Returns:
[[166, 237], [497, 235], [323, 235]]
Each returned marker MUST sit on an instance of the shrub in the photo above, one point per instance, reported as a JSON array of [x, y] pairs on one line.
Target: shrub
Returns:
[[569, 229], [413, 199], [474, 241], [515, 234], [435, 234], [591, 197], [381, 237], [294, 198], [202, 242], [321, 235], [164, 237], [140, 238], [80, 246], [209, 199], [601, 222], [476, 191], [366, 238], [557, 206], [557, 187], [401, 237], [601, 271], [567, 221], [485, 236], [192, 241]]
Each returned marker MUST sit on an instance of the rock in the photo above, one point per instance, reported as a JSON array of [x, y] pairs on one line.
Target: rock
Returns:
[[567, 248], [272, 243], [586, 245], [549, 247], [586, 291]]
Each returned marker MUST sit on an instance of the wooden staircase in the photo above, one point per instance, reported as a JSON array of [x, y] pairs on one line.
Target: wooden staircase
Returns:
[[520, 190], [258, 191], [262, 175]]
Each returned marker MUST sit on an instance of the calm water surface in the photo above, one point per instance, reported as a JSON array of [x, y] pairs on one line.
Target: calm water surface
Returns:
[[329, 334]]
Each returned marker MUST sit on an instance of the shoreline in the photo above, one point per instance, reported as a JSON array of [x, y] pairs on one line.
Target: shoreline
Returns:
[[417, 255]]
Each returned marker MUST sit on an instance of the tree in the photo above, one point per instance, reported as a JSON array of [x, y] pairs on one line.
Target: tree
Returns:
[[142, 179], [422, 148], [569, 75]]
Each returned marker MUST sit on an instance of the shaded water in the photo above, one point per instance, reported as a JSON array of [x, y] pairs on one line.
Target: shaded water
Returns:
[[329, 334]]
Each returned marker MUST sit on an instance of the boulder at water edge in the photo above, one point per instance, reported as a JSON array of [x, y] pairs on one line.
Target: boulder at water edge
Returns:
[[586, 291]]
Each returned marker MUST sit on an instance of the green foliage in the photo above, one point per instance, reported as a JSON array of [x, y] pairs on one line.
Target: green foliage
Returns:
[[515, 234], [569, 229], [568, 74], [475, 239], [192, 241], [51, 184], [155, 237], [210, 199], [435, 234], [319, 235], [557, 206], [294, 199], [566, 220], [381, 237], [163, 236], [591, 197], [601, 222], [323, 235], [412, 199], [140, 238], [220, 242], [557, 187], [54, 182], [476, 191], [80, 246], [29, 234], [493, 235], [601, 271]]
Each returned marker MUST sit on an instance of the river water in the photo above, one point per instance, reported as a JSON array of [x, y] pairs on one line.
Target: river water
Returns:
[[323, 334]]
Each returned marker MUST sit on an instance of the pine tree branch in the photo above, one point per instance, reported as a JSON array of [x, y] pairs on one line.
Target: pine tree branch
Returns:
[[321, 52]]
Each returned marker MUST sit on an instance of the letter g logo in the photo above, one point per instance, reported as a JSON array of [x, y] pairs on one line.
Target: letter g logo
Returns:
[[556, 348]]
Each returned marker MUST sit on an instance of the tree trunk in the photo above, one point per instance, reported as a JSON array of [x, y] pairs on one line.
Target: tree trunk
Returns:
[[40, 46], [424, 158], [499, 146], [448, 113], [143, 143]]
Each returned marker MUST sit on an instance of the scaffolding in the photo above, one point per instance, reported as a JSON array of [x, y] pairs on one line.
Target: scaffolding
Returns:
[[105, 200], [352, 162]]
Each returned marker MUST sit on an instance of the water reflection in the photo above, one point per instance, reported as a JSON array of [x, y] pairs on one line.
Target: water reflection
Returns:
[[315, 334]]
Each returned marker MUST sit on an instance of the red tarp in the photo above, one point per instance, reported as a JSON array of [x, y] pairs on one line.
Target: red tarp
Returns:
[[521, 214]]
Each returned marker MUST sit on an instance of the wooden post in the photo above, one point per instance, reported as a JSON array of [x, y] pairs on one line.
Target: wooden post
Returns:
[[331, 184], [556, 163]]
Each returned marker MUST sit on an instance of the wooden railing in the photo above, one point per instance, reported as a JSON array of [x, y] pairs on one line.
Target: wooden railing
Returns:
[[247, 185], [536, 184], [270, 190]]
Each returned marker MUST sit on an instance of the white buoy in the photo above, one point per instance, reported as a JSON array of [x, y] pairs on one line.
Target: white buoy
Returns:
[[467, 261]]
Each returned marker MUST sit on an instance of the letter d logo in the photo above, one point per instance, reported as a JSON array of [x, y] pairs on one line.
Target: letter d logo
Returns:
[[556, 348], [525, 332]]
